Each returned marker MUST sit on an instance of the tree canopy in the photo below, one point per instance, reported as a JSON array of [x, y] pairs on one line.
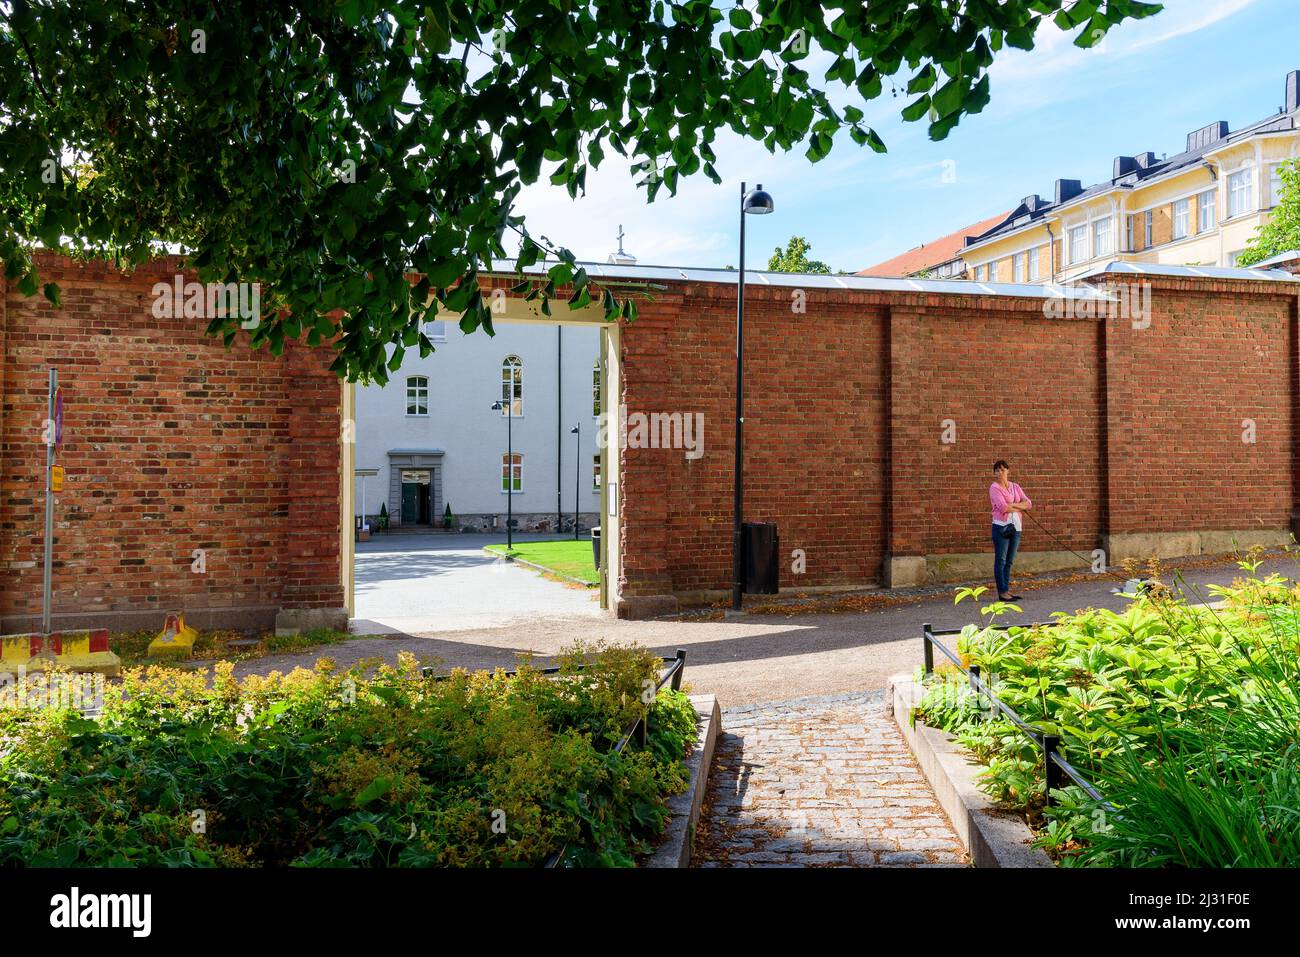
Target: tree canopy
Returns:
[[329, 150], [1281, 234], [794, 258]]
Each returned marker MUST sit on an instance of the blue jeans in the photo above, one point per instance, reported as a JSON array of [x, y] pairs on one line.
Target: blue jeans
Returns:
[[1006, 539]]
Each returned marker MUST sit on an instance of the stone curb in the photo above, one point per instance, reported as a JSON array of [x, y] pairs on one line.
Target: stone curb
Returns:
[[992, 837], [679, 838], [542, 568]]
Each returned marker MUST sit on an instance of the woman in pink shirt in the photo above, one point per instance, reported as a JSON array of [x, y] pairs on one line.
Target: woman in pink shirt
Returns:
[[1008, 500]]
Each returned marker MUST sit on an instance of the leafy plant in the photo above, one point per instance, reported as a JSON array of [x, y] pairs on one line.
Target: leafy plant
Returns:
[[1186, 718], [326, 152], [318, 768]]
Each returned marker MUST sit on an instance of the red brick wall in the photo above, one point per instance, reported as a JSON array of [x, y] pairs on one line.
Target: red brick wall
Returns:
[[814, 435], [171, 443], [1010, 384], [1111, 429], [1212, 356]]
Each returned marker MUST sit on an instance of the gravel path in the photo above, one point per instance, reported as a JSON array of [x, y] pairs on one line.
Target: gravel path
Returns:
[[753, 658]]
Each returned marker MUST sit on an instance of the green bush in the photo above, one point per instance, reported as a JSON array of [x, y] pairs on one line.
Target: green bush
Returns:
[[316, 768], [1185, 718]]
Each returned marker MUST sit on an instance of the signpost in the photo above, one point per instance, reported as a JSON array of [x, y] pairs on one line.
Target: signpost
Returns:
[[53, 439]]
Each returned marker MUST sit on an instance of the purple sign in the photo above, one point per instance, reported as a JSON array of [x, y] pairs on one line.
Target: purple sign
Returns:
[[58, 418]]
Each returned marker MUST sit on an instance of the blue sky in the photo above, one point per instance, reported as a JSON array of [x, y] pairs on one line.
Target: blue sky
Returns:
[[1056, 112]]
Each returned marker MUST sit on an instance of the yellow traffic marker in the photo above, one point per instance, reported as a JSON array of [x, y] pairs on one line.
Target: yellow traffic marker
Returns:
[[176, 638], [56, 478]]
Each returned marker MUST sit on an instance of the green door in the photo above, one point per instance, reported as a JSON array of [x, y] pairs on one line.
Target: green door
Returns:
[[415, 497]]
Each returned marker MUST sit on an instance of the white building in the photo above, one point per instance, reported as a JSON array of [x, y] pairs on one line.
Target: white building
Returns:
[[430, 438]]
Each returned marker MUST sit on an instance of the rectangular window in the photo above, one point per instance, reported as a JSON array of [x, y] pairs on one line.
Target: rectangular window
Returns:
[[1241, 197], [417, 395], [1033, 264], [1101, 238], [436, 330], [1275, 184], [595, 389], [1148, 223], [1205, 209], [512, 472], [1078, 244], [595, 473], [1130, 234], [1017, 268], [1182, 218]]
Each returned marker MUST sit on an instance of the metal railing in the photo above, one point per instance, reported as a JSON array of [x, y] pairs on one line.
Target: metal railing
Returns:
[[637, 729], [1056, 770]]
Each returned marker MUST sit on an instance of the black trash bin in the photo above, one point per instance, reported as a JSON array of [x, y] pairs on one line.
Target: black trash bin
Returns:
[[595, 545], [762, 548]]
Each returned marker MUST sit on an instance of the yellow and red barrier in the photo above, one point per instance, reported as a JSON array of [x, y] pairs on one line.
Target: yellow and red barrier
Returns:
[[176, 638], [74, 650]]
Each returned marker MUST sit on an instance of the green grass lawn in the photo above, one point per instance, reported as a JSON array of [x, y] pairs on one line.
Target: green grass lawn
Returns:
[[571, 558]]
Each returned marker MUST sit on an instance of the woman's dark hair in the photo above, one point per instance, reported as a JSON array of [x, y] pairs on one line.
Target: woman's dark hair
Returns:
[[1000, 464]]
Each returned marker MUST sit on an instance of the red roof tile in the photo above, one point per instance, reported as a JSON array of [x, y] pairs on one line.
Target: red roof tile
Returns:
[[932, 253]]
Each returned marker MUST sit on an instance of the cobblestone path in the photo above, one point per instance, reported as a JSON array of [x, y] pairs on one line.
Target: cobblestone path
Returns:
[[820, 782]]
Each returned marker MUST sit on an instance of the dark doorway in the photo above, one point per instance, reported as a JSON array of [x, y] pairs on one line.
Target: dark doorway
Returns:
[[417, 504]]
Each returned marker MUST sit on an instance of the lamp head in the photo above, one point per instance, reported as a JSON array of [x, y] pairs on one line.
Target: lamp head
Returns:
[[498, 405], [757, 201]]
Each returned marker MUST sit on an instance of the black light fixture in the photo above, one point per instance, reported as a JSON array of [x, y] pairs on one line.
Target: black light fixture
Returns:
[[508, 408], [577, 475], [754, 202]]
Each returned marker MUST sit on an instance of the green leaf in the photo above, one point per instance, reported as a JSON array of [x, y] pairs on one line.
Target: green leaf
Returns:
[[375, 789]]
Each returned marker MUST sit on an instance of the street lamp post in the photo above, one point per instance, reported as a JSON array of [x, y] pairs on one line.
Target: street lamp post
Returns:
[[509, 406], [754, 202], [577, 475]]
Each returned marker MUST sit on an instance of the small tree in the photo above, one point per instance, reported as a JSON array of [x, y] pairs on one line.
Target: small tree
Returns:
[[447, 518], [794, 258], [1282, 232], [383, 515]]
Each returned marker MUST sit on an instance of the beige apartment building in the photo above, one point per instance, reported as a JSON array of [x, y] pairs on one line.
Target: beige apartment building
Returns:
[[1198, 207]]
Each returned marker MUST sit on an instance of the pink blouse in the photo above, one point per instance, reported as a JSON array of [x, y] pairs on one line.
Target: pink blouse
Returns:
[[1000, 497]]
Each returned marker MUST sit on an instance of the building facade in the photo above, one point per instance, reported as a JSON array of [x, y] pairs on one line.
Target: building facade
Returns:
[[1199, 207], [431, 440]]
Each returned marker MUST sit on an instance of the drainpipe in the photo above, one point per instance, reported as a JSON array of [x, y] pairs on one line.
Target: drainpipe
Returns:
[[559, 425], [1051, 249]]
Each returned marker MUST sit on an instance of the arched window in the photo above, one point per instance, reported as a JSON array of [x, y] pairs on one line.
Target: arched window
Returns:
[[512, 385], [512, 472], [417, 395], [595, 388]]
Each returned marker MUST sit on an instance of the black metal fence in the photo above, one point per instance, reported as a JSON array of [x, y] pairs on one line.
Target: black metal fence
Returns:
[[1056, 770], [636, 730]]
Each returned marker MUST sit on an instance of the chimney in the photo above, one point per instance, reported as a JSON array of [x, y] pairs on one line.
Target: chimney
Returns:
[[1207, 135], [1292, 91], [1123, 166], [1145, 160], [1067, 189], [1032, 202]]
